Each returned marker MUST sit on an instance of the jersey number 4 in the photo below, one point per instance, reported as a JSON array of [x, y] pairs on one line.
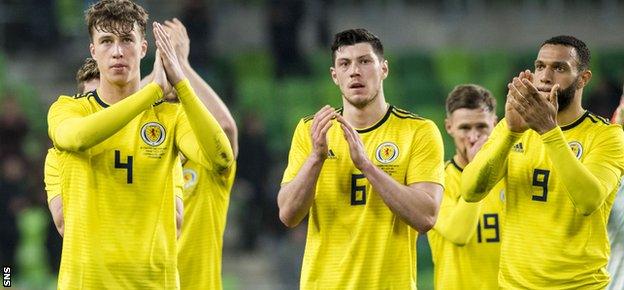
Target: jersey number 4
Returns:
[[127, 166]]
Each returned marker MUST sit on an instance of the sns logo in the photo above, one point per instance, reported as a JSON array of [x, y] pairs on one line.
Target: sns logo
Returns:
[[6, 276]]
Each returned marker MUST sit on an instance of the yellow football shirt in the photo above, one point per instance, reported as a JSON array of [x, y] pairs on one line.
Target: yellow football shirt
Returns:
[[206, 199], [354, 240], [52, 179], [469, 261], [51, 175], [549, 241], [118, 198]]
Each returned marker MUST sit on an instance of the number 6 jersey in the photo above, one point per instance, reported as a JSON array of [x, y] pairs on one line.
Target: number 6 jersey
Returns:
[[354, 240]]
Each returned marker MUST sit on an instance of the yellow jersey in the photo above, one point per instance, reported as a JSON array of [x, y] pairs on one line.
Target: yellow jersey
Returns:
[[555, 235], [52, 179], [117, 195], [465, 246], [354, 240], [206, 199]]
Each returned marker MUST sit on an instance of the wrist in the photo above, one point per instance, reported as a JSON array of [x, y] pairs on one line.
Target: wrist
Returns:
[[366, 166], [317, 158], [546, 129]]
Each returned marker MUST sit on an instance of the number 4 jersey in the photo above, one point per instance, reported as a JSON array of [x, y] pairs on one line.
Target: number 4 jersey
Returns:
[[118, 198], [547, 242], [354, 240]]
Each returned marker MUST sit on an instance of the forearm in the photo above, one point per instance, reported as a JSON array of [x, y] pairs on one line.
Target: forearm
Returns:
[[295, 197], [81, 133], [212, 140], [585, 190], [214, 104], [416, 207], [179, 215], [458, 224], [56, 210], [487, 167]]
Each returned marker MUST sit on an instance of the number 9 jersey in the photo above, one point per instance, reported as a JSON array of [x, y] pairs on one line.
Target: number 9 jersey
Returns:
[[354, 240], [548, 242]]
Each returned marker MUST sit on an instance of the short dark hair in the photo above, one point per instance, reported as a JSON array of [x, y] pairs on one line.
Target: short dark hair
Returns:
[[584, 56], [88, 71], [115, 16], [469, 96], [355, 36]]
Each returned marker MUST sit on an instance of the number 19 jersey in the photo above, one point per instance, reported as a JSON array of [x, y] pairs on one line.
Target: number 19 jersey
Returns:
[[354, 240]]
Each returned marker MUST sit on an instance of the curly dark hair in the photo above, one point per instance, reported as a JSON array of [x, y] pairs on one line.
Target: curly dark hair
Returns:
[[115, 16], [584, 56]]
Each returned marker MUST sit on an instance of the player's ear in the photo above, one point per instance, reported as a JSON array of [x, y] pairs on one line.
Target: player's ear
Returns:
[[384, 68], [143, 47], [448, 124], [332, 72], [585, 78], [92, 50]]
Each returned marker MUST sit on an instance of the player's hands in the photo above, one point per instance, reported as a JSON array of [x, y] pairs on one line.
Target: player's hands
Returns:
[[179, 38], [538, 110], [618, 115], [473, 149], [167, 54], [356, 147], [512, 117], [320, 125], [159, 76]]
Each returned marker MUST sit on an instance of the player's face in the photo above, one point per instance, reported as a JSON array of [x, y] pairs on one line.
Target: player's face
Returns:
[[558, 64], [118, 56], [91, 85], [466, 126], [359, 73]]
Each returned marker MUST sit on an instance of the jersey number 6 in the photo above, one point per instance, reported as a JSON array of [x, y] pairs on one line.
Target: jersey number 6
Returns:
[[358, 192]]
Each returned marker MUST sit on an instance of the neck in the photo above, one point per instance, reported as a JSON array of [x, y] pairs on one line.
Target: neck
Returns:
[[368, 115], [572, 112], [460, 160], [112, 93]]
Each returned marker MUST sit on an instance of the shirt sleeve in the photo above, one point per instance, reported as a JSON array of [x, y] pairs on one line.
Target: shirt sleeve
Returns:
[[178, 178], [457, 220], [427, 156], [489, 165], [589, 182], [71, 128], [51, 175], [198, 134], [300, 149]]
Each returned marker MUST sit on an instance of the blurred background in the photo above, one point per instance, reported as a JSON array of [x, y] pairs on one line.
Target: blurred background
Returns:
[[269, 61]]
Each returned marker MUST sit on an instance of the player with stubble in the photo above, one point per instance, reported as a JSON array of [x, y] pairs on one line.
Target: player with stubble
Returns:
[[368, 176], [562, 165]]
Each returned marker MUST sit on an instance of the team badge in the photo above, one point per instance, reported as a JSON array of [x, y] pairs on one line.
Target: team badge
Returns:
[[577, 149], [153, 134], [190, 178], [387, 152]]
